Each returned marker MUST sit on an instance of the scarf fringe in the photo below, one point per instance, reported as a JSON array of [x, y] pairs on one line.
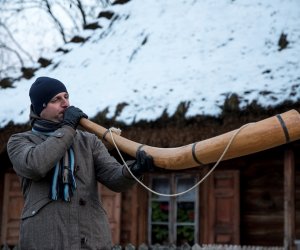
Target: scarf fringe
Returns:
[[63, 183]]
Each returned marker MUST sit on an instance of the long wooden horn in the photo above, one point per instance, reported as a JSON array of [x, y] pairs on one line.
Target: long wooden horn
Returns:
[[255, 137]]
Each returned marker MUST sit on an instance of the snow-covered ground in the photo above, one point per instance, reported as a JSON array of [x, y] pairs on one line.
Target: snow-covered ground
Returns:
[[157, 54]]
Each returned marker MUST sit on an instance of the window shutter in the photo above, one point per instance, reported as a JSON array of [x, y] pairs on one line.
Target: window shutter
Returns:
[[223, 207], [12, 208], [112, 204]]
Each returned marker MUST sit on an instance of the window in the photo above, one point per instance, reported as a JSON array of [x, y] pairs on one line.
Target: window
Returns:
[[173, 219]]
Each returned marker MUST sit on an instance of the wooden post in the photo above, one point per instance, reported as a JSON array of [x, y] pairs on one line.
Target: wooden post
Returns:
[[289, 200]]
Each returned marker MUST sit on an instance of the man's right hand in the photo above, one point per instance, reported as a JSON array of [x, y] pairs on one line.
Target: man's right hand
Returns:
[[72, 116]]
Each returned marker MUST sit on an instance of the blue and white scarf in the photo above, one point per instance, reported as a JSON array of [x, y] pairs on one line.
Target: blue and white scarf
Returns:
[[63, 182]]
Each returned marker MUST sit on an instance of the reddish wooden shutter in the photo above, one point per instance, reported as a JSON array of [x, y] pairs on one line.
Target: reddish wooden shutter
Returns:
[[12, 207], [112, 204], [224, 209]]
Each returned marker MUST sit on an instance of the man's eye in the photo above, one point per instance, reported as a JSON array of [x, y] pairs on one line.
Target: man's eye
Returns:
[[53, 100]]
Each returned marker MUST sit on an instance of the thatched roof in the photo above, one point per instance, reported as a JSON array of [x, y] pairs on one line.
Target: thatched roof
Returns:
[[176, 130], [143, 63]]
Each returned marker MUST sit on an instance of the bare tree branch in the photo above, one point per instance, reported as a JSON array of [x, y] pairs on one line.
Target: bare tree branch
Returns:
[[71, 16], [56, 21], [15, 52], [15, 42], [12, 50], [83, 15]]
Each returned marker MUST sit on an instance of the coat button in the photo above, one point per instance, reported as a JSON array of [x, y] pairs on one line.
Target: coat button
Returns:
[[83, 240], [82, 202]]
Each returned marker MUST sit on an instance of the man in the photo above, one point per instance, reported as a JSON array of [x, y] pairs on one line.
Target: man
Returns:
[[59, 168]]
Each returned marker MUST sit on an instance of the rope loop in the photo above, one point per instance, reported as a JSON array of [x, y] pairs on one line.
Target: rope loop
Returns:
[[193, 187]]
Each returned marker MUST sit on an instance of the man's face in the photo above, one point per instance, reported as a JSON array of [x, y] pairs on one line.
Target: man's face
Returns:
[[54, 111]]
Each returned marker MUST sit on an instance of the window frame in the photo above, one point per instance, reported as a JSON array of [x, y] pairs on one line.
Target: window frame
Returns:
[[173, 179]]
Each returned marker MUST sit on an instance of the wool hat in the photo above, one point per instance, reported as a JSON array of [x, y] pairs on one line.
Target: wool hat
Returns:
[[43, 90]]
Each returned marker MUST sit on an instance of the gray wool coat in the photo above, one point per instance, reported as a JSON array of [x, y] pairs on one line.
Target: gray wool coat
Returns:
[[81, 223]]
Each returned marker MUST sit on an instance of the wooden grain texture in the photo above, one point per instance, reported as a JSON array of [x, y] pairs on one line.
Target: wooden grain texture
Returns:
[[255, 137], [289, 199]]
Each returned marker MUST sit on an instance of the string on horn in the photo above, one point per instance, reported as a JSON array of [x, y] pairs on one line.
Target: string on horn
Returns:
[[191, 188]]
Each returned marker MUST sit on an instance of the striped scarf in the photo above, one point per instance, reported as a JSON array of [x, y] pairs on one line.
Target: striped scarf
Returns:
[[63, 181]]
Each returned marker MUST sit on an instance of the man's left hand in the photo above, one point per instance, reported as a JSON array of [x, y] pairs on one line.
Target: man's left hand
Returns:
[[143, 164]]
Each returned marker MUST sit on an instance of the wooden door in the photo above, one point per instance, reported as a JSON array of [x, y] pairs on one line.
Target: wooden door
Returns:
[[12, 208], [112, 204], [223, 207]]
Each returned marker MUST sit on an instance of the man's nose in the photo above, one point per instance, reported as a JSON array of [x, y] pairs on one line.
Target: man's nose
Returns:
[[65, 102]]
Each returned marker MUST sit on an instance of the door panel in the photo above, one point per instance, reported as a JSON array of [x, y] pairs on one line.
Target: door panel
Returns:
[[224, 208]]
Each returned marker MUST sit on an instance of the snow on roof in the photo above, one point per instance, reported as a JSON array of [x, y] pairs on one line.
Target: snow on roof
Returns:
[[157, 54]]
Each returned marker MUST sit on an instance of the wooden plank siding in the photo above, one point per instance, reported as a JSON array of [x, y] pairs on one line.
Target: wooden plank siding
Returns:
[[129, 216], [261, 202], [262, 197], [5, 166], [112, 204], [289, 198], [1, 200], [297, 192], [262, 218], [12, 207]]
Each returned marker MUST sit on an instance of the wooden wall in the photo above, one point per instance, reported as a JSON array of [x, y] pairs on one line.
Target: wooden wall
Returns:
[[262, 197], [261, 200], [297, 199], [262, 203], [1, 198], [129, 216], [4, 166], [12, 208]]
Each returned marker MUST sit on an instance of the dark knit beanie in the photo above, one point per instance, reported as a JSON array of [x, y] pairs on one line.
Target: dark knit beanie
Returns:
[[43, 90]]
